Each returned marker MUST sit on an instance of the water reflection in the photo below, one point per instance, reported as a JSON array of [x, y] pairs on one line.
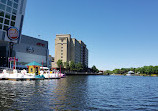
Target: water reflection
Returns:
[[69, 92]]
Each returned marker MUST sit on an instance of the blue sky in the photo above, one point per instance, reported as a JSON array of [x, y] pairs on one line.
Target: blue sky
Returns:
[[118, 33]]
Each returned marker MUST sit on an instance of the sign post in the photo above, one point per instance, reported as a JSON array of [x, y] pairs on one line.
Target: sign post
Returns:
[[13, 35], [10, 59]]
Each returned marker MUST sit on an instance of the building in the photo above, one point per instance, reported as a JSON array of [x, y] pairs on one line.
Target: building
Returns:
[[69, 49], [50, 60], [31, 49], [63, 47], [28, 50], [11, 15]]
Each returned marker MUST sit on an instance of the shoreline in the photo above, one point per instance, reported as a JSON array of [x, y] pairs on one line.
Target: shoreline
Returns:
[[152, 75]]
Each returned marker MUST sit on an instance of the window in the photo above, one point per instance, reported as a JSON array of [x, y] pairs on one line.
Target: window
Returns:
[[2, 6], [5, 28], [3, 1], [9, 9], [2, 13], [61, 47], [9, 3], [15, 6], [31, 70], [61, 56], [16, 1], [14, 11], [13, 17], [12, 23], [61, 50], [0, 26], [61, 53], [1, 20], [6, 22], [7, 15]]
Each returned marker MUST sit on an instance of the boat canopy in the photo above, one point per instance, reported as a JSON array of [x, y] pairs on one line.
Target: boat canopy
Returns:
[[33, 64]]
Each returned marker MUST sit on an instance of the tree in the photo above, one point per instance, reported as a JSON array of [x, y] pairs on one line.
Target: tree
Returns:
[[60, 63], [117, 71], [66, 65], [108, 72], [72, 66], [94, 69], [79, 67]]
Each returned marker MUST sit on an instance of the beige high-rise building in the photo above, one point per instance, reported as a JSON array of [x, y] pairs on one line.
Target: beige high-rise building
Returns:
[[69, 49]]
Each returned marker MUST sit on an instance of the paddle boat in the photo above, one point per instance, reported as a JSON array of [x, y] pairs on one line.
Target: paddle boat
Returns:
[[54, 74], [14, 74]]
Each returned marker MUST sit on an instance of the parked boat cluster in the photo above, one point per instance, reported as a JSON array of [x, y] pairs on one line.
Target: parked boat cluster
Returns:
[[13, 74]]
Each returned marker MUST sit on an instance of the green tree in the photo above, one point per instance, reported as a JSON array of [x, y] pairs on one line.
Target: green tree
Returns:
[[94, 69], [155, 69], [66, 65], [72, 66], [60, 63], [79, 67], [108, 72], [117, 71]]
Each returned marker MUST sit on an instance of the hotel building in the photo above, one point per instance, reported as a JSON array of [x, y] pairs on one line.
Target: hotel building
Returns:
[[69, 49]]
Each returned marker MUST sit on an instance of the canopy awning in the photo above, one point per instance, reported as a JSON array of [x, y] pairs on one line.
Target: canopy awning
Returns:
[[33, 64]]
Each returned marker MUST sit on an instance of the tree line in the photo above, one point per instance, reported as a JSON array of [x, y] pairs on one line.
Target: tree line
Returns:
[[77, 67], [140, 70]]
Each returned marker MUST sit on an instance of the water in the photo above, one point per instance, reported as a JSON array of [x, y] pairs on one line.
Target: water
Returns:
[[105, 93]]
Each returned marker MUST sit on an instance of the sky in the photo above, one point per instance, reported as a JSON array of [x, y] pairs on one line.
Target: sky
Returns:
[[118, 33]]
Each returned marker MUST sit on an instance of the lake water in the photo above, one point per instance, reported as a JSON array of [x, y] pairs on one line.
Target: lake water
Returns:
[[105, 93]]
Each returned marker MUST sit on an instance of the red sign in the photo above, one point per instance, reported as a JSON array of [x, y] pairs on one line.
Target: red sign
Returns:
[[40, 44], [13, 33], [12, 59]]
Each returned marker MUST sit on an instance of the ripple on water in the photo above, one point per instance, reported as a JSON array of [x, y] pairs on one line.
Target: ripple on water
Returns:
[[108, 93]]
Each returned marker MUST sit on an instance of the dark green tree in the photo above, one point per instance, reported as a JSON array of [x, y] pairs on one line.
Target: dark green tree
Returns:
[[79, 67], [60, 63], [66, 66], [72, 66], [94, 69]]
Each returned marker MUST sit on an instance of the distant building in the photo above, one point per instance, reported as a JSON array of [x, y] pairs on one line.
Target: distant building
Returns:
[[50, 60], [69, 49]]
